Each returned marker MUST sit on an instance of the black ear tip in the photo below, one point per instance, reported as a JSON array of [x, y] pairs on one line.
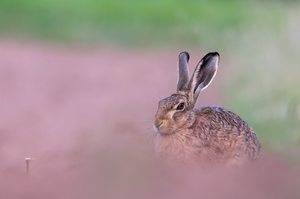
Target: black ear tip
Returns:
[[214, 54], [184, 54], [211, 55]]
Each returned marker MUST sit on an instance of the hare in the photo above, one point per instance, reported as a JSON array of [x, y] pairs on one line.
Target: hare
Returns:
[[205, 135]]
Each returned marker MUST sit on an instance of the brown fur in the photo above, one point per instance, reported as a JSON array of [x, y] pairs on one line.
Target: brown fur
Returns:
[[215, 135], [207, 135]]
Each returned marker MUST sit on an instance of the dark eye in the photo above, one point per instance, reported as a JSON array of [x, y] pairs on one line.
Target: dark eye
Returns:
[[180, 107]]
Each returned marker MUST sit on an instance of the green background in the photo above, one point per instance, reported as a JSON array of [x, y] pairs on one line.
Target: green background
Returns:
[[261, 36]]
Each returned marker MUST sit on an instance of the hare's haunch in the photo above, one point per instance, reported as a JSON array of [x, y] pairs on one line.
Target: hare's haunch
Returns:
[[207, 134]]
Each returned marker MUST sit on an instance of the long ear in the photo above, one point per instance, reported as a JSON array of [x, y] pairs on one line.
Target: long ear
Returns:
[[183, 71], [204, 73]]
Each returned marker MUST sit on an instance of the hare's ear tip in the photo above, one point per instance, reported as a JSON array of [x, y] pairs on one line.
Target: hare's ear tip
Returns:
[[184, 54], [214, 54]]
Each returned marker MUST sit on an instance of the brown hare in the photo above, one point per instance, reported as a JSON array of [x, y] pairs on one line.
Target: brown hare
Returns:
[[205, 135]]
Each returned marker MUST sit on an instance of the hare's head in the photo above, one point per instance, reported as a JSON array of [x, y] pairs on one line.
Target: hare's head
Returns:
[[176, 111]]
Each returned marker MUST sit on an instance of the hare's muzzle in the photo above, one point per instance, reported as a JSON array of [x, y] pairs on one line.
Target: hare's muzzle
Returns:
[[157, 125], [162, 128]]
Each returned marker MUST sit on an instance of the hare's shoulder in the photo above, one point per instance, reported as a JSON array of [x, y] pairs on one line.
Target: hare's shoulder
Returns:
[[217, 117], [223, 125]]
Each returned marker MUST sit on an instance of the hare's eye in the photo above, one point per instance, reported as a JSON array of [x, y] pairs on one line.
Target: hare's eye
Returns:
[[180, 107]]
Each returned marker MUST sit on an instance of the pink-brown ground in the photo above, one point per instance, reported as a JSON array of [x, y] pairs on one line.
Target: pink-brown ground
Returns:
[[84, 114]]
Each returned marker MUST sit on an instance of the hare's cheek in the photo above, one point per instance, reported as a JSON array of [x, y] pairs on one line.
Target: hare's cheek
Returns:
[[179, 118], [184, 119], [176, 116]]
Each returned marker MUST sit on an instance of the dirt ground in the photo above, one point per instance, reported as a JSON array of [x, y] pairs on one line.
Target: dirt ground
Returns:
[[84, 114]]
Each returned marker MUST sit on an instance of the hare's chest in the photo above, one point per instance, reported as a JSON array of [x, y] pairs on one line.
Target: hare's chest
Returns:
[[176, 147], [186, 147]]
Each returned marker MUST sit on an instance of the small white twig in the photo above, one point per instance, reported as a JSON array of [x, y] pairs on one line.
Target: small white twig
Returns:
[[27, 162]]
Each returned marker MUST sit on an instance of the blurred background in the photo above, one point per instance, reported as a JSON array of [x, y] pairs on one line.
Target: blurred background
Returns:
[[80, 81]]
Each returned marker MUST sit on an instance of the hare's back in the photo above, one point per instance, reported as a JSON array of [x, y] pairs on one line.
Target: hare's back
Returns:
[[226, 131]]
